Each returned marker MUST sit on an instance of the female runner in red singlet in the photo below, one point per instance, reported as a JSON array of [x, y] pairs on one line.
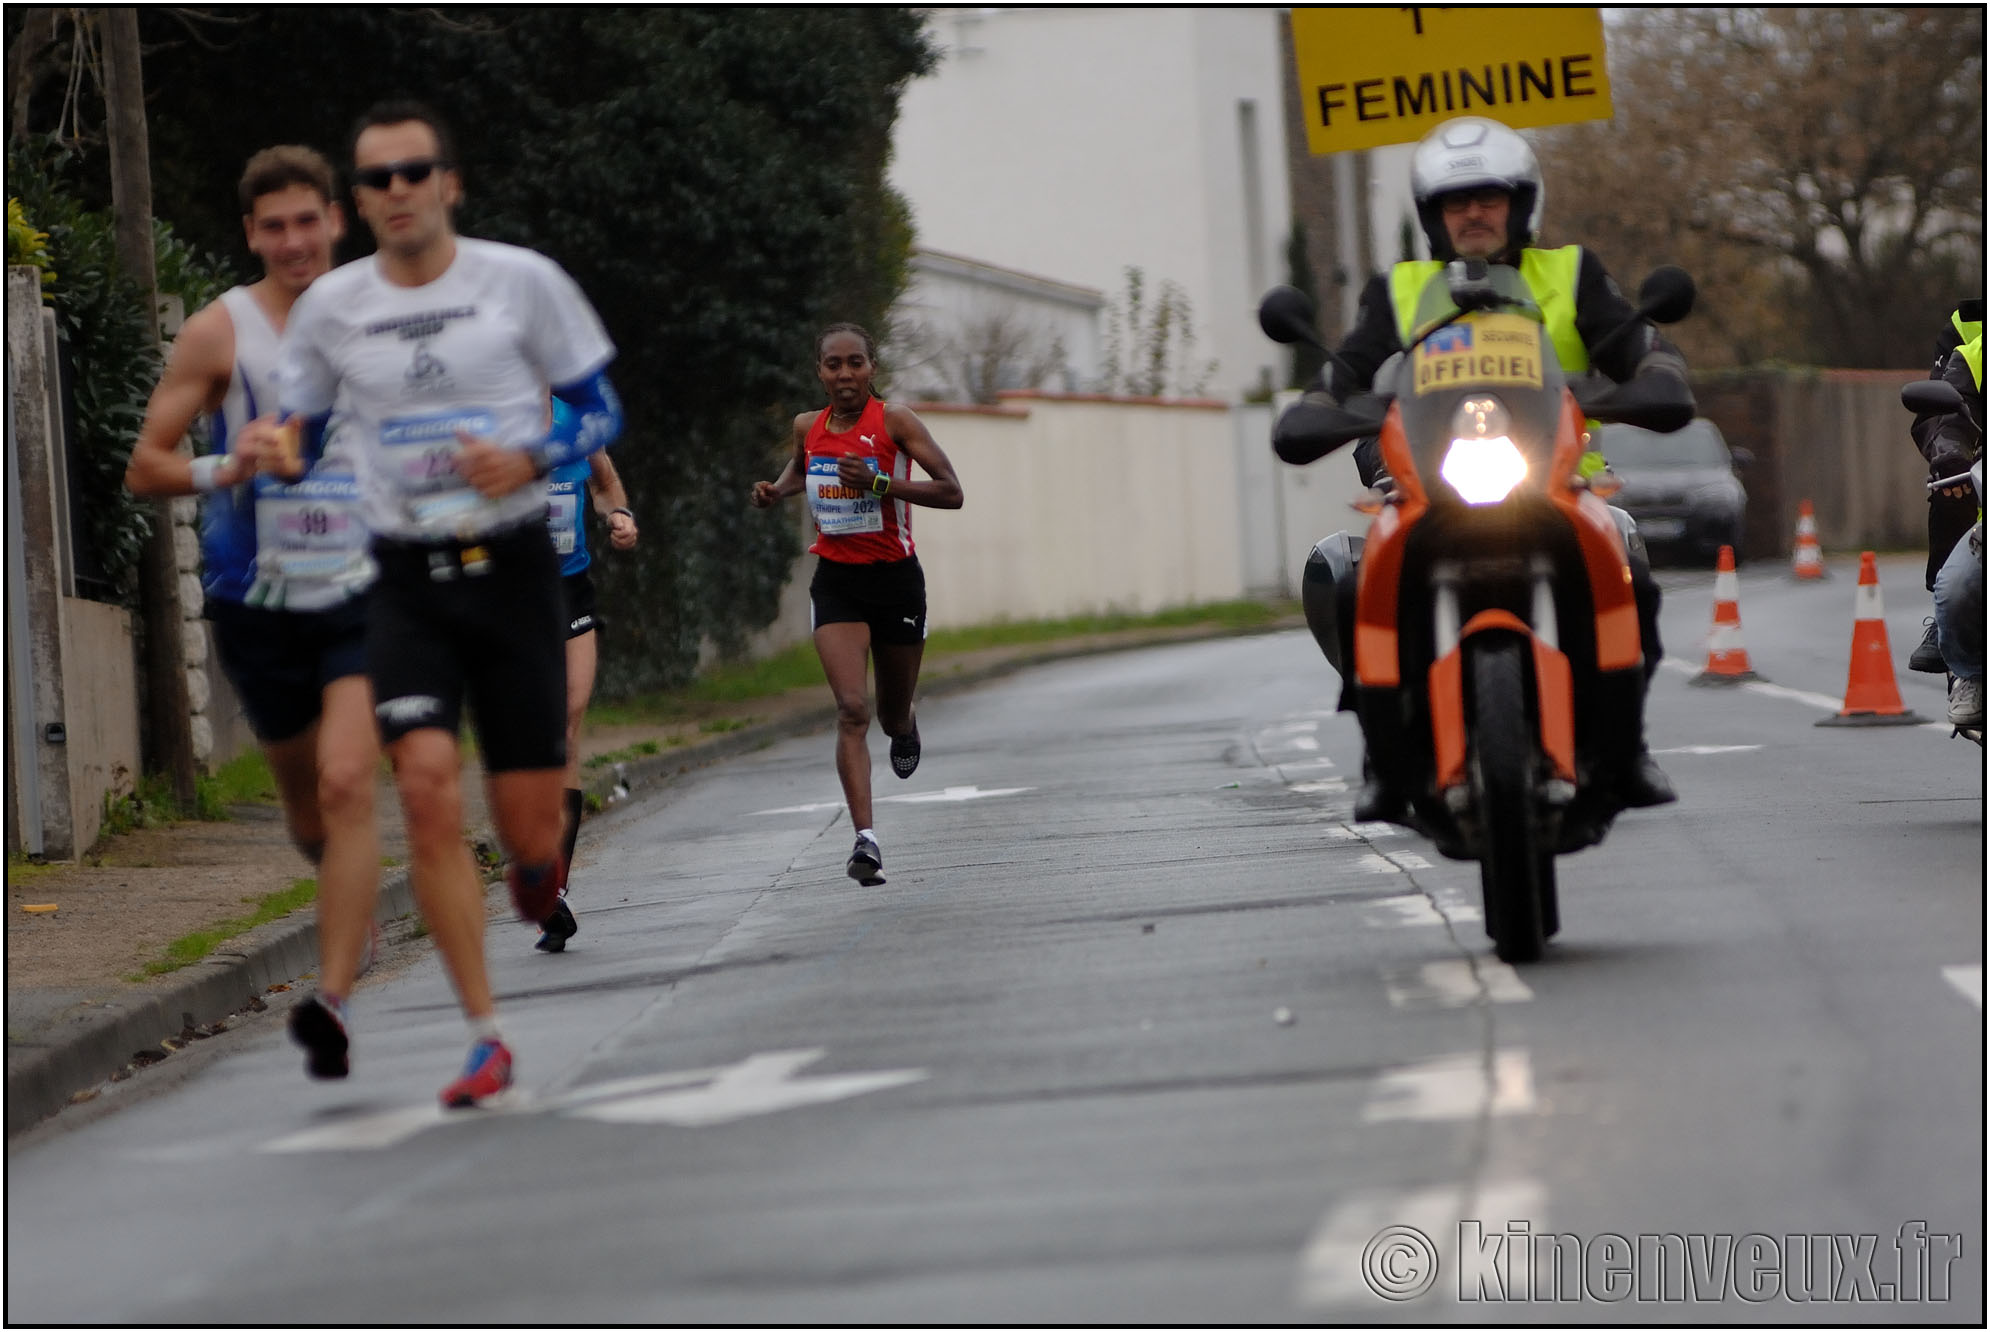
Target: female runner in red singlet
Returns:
[[868, 597]]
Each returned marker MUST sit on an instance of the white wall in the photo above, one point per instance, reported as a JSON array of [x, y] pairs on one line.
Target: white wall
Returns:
[[1072, 143]]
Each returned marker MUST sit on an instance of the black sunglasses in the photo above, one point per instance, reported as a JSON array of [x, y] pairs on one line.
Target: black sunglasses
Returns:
[[414, 172]]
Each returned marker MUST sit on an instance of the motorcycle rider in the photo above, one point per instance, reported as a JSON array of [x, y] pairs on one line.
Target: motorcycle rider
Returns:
[[1954, 443], [1478, 194], [1949, 445]]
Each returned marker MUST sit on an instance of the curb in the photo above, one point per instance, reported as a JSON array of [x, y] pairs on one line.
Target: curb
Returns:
[[94, 1040]]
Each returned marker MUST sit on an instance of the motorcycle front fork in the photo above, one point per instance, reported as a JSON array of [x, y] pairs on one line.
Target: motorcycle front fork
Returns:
[[1447, 628]]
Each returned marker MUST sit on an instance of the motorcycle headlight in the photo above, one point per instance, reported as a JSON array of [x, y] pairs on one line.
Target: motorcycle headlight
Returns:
[[1483, 464]]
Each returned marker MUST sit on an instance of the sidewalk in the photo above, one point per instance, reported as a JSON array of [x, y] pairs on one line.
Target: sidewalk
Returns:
[[75, 1018]]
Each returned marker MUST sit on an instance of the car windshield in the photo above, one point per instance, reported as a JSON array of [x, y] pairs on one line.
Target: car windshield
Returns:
[[1699, 444]]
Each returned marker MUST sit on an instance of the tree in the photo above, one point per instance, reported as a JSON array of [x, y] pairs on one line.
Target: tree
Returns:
[[1306, 361], [1820, 171], [995, 348], [1150, 349], [713, 179]]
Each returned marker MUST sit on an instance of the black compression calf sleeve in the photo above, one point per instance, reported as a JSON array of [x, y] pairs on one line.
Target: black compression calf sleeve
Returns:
[[575, 801]]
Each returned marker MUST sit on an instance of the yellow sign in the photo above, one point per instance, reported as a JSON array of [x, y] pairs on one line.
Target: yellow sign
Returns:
[[1491, 350], [1369, 77]]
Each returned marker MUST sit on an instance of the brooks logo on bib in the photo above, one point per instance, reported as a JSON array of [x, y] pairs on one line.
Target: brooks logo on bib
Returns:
[[840, 510]]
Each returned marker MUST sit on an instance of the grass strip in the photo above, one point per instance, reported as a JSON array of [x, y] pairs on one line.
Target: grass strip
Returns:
[[191, 948]]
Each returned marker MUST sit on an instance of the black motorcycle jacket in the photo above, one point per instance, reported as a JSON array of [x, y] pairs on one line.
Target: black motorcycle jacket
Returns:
[[1600, 308]]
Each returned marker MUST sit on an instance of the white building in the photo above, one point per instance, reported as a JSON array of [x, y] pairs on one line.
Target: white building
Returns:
[[1071, 144], [964, 331]]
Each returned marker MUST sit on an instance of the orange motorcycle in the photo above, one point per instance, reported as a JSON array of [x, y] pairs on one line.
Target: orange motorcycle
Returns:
[[1486, 629]]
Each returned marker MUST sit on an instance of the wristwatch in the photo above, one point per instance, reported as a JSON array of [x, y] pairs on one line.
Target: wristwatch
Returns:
[[881, 483]]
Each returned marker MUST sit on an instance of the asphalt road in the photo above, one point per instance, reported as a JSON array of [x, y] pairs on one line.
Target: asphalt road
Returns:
[[1140, 1029]]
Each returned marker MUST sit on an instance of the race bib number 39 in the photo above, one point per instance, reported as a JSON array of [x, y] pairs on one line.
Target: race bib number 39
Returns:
[[1500, 350], [840, 510]]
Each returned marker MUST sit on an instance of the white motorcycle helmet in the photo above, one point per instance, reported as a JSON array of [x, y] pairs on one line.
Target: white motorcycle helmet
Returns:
[[1469, 153]]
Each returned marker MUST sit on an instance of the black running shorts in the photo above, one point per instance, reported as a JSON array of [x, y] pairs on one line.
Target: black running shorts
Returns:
[[577, 589], [484, 623], [889, 597], [281, 660]]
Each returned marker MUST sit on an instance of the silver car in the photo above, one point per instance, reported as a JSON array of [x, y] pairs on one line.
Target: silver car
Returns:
[[1681, 487]]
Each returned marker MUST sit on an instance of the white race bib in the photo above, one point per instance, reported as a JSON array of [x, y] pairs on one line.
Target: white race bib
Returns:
[[840, 510], [311, 530], [420, 453], [562, 517]]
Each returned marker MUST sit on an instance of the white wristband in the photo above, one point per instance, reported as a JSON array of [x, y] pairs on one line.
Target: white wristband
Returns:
[[205, 469]]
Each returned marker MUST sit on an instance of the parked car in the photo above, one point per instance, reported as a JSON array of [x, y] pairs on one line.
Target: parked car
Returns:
[[1681, 487]]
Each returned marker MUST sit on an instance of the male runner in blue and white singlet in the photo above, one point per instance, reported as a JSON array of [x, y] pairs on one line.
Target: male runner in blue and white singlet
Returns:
[[284, 566]]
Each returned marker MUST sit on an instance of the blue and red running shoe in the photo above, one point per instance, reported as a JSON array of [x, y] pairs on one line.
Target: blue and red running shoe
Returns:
[[486, 1073]]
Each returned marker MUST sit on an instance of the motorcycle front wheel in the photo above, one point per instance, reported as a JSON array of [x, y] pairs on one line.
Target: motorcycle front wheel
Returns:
[[1503, 761]]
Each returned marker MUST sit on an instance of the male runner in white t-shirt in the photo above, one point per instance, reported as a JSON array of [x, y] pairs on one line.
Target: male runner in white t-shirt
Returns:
[[284, 567], [445, 347]]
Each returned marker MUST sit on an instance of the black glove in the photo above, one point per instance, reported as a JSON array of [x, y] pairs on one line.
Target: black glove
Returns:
[[1946, 458]]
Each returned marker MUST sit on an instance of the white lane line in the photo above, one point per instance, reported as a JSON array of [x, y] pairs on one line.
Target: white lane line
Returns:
[[1708, 749], [1349, 1261], [1455, 983], [1291, 728], [1376, 864], [1411, 909], [1321, 786], [1452, 1088], [1967, 979], [1766, 690], [1305, 743], [1304, 765]]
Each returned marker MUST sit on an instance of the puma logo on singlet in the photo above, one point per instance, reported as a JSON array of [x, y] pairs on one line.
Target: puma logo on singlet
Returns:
[[869, 439]]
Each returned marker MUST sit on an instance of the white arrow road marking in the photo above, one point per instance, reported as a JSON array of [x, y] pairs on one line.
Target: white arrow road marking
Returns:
[[952, 794], [1455, 983], [762, 1085], [1330, 1269], [1708, 749], [759, 1085], [1453, 1087], [1967, 979], [366, 1133]]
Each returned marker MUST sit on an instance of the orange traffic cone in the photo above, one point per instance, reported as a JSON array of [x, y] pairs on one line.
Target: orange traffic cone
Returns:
[[1727, 656], [1807, 561], [1871, 696]]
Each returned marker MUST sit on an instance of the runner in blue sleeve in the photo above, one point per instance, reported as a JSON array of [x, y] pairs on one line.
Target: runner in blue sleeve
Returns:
[[568, 489]]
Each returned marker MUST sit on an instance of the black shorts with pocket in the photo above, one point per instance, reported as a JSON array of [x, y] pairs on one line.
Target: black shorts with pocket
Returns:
[[482, 622], [281, 660], [890, 597], [577, 590]]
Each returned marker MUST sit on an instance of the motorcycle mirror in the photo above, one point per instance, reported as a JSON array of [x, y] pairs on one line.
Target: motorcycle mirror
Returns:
[[1286, 315], [1925, 397], [1667, 295]]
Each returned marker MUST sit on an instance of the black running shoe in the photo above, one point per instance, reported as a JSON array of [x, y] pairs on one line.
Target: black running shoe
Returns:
[[1927, 655], [905, 752], [557, 929], [320, 1029], [866, 863]]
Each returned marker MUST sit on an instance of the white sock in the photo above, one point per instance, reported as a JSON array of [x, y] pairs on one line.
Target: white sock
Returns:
[[868, 835], [485, 1029]]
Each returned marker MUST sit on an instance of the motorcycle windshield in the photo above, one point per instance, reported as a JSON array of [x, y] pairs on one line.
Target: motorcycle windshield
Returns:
[[1503, 354]]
